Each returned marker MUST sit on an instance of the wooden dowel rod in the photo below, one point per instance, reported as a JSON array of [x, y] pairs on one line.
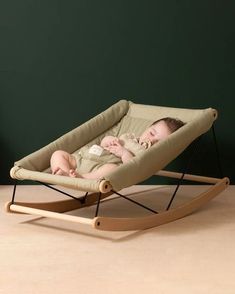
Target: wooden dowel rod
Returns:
[[190, 177], [46, 213]]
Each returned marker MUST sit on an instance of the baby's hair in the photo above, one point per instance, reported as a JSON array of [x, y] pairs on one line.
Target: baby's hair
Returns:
[[172, 123]]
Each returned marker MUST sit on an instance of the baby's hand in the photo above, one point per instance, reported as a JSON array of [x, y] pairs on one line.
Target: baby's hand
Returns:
[[117, 149], [109, 141]]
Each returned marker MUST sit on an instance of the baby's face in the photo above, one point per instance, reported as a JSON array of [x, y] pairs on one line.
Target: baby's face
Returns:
[[155, 133]]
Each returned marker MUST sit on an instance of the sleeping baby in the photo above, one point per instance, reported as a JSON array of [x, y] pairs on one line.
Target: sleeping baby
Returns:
[[96, 161]]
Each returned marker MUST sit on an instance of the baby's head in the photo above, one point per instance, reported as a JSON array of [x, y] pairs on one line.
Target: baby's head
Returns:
[[160, 129]]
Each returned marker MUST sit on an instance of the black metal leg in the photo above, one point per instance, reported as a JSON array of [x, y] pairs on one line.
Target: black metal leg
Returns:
[[183, 174], [80, 199], [14, 192], [133, 201], [98, 205]]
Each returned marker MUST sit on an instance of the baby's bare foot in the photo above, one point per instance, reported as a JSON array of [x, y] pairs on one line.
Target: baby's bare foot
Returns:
[[60, 172]]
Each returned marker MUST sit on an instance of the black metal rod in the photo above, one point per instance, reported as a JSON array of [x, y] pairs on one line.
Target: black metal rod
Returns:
[[176, 189], [98, 205], [133, 201], [195, 143], [14, 192], [84, 198], [80, 199]]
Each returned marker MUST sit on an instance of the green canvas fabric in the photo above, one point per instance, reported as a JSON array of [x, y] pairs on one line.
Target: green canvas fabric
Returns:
[[122, 117], [75, 139], [157, 157]]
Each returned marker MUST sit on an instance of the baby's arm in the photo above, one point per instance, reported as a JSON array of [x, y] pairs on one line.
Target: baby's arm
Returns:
[[126, 155], [120, 151]]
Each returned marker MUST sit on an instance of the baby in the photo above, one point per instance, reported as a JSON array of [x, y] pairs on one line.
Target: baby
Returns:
[[123, 149]]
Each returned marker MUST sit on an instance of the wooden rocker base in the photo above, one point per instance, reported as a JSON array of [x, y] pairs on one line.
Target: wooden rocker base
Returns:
[[56, 209], [57, 206], [140, 223]]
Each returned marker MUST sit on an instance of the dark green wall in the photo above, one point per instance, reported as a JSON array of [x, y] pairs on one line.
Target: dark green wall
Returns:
[[63, 62]]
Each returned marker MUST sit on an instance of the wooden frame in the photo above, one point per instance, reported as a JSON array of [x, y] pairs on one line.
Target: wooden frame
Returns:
[[56, 209]]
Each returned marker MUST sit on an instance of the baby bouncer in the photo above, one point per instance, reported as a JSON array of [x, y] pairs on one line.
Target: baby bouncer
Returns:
[[124, 116]]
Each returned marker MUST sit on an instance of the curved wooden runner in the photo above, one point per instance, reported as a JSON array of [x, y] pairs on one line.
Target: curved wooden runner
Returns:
[[56, 209], [140, 223]]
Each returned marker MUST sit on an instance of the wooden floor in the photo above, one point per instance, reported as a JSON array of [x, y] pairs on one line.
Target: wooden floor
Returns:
[[193, 255]]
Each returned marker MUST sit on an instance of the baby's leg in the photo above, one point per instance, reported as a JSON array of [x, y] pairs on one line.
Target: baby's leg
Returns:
[[100, 172], [63, 163]]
